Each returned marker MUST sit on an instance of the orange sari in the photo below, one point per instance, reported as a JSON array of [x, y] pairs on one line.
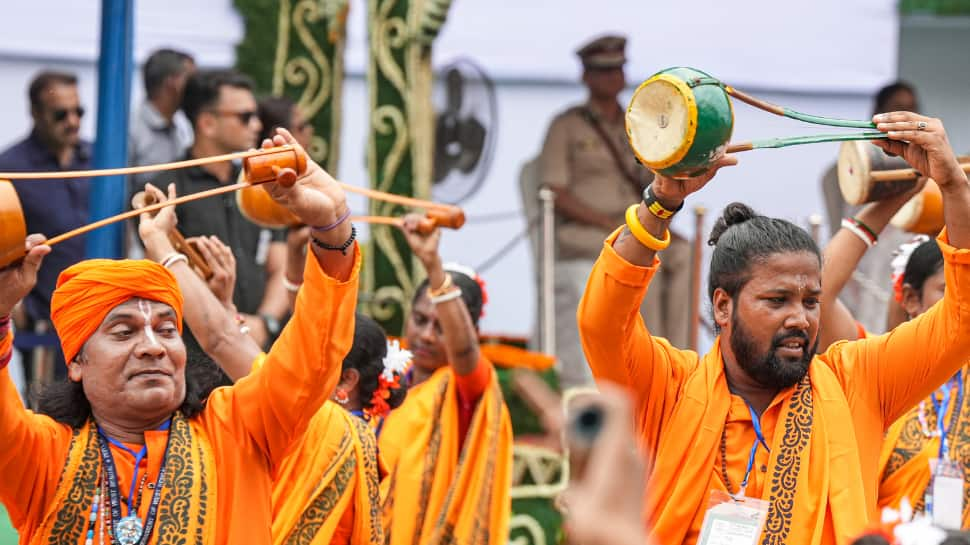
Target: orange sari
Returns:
[[434, 493], [326, 491]]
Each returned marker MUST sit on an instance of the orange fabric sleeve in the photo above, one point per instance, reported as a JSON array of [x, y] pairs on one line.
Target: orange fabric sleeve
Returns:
[[615, 339], [275, 402], [32, 461], [896, 370]]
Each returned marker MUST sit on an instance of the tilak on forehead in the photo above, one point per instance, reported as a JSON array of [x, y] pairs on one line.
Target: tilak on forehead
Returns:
[[88, 291]]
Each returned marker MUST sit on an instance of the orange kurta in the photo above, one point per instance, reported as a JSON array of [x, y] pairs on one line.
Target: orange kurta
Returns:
[[246, 428], [904, 464], [326, 491], [436, 493], [821, 481]]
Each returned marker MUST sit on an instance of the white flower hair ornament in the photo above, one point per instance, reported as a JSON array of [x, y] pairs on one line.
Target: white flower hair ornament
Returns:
[[898, 264], [397, 361]]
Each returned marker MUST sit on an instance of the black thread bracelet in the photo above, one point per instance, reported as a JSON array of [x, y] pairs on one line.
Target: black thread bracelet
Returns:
[[343, 247]]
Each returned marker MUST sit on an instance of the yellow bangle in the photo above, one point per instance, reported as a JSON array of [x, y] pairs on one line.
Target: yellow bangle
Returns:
[[641, 234]]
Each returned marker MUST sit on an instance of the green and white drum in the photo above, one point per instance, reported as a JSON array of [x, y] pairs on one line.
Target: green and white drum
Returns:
[[679, 122]]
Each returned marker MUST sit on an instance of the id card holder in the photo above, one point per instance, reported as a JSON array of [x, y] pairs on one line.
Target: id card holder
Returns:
[[946, 489], [733, 521]]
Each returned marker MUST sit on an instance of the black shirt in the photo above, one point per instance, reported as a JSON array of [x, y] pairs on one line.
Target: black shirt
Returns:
[[220, 216]]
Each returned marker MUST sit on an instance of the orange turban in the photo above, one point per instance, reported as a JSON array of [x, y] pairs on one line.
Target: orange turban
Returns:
[[88, 291]]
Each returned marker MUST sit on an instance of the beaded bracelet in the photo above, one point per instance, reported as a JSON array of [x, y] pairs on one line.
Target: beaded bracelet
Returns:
[[641, 234], [343, 247]]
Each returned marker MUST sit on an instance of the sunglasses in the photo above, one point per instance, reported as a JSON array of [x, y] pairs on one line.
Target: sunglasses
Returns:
[[61, 114], [244, 117]]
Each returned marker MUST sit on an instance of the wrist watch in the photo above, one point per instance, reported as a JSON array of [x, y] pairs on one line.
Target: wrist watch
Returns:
[[273, 325]]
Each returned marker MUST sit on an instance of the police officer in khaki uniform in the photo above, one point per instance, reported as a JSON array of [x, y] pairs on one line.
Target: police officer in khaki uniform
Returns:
[[586, 160]]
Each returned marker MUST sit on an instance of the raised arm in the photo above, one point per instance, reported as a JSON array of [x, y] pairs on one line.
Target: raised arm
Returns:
[[457, 328], [618, 346], [212, 319], [841, 257], [296, 246], [274, 403], [36, 445], [899, 369]]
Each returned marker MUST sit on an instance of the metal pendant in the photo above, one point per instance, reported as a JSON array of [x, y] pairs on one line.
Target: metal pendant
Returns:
[[129, 530]]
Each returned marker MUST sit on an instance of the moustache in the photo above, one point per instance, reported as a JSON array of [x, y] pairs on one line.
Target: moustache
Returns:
[[787, 336]]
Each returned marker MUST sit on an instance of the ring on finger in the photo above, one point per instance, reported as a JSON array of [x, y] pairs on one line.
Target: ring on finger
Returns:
[[921, 125]]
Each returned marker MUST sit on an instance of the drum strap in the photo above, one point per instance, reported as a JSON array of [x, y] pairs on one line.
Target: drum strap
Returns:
[[631, 177]]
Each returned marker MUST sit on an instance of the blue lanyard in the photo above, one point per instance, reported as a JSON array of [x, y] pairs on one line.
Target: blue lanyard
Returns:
[[139, 456], [940, 407], [760, 439]]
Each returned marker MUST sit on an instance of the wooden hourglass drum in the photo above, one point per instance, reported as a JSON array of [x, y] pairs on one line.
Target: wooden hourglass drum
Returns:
[[866, 174], [680, 120], [258, 207], [283, 165]]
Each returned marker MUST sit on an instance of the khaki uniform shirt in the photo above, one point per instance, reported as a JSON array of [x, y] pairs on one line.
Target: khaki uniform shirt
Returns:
[[574, 156]]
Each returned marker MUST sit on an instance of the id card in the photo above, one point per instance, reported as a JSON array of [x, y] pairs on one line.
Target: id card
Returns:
[[733, 521], [946, 489]]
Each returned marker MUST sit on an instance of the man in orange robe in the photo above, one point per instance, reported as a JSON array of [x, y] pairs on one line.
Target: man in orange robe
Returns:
[[760, 415], [326, 489], [136, 454]]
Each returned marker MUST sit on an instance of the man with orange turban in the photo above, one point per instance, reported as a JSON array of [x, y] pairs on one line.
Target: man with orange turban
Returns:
[[131, 453]]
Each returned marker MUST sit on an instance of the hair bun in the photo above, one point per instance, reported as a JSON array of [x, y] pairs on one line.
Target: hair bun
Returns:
[[733, 214]]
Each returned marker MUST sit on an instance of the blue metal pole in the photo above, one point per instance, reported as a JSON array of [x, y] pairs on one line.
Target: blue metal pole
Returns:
[[111, 145]]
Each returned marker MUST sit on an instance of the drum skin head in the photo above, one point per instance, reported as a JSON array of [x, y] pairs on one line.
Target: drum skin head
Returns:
[[661, 122], [679, 122], [13, 230], [853, 168]]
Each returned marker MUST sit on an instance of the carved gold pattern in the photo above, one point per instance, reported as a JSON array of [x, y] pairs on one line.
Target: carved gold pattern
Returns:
[[399, 85], [318, 74]]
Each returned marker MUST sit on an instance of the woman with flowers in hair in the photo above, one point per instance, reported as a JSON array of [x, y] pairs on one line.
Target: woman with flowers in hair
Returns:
[[448, 448], [936, 429], [326, 489]]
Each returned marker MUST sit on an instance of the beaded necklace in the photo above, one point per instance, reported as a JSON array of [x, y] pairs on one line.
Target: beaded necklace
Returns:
[[93, 518]]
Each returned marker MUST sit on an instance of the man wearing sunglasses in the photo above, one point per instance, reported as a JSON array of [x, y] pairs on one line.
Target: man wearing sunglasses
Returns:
[[51, 206], [222, 109]]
